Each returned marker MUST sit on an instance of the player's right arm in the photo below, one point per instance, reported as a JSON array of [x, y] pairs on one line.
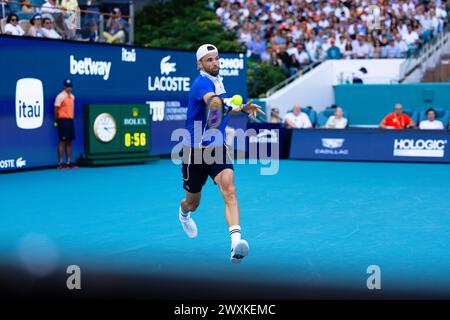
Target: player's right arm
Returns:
[[208, 96]]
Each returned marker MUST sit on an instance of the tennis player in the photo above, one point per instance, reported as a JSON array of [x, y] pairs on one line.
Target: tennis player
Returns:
[[210, 108]]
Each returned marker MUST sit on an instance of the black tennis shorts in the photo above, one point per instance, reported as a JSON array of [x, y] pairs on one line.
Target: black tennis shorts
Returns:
[[66, 129], [199, 163]]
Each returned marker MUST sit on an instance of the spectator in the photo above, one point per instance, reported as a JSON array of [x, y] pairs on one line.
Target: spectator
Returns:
[[275, 116], [397, 119], [337, 121], [377, 49], [36, 27], [50, 9], [348, 52], [267, 54], [319, 55], [293, 65], [297, 119], [91, 34], [12, 26], [92, 6], [333, 52], [431, 122], [303, 57], [257, 47], [48, 29], [64, 115], [391, 50], [26, 11], [115, 27], [402, 46], [72, 16], [361, 49]]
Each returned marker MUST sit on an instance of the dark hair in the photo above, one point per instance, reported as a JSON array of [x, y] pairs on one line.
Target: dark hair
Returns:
[[45, 20], [8, 19], [430, 109], [37, 16]]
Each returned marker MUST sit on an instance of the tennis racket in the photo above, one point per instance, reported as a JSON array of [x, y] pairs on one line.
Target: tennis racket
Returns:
[[214, 112]]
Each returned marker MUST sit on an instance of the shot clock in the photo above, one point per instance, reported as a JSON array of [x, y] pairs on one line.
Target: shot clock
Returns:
[[116, 133]]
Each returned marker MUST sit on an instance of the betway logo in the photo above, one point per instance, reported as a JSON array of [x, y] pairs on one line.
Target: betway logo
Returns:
[[166, 83], [89, 67], [265, 136], [29, 103], [419, 148]]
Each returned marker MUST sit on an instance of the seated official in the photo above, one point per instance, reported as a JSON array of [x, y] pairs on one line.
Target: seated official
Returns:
[[397, 119], [297, 119], [431, 123], [337, 121]]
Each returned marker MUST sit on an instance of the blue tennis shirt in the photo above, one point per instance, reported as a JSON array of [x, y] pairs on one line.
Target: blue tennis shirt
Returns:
[[196, 113]]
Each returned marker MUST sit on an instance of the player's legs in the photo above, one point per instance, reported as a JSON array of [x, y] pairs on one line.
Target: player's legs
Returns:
[[68, 152], [188, 205], [61, 147], [225, 181], [191, 202]]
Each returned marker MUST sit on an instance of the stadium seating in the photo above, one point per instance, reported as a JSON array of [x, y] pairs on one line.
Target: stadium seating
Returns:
[[311, 114], [414, 115]]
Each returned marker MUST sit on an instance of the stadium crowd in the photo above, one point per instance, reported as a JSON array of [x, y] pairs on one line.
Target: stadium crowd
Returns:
[[63, 19], [293, 34]]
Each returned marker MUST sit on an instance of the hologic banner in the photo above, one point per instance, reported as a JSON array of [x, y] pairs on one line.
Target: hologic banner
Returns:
[[371, 145]]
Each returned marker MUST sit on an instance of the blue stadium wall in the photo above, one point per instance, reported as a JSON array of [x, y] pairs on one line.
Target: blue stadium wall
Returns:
[[369, 104], [101, 74]]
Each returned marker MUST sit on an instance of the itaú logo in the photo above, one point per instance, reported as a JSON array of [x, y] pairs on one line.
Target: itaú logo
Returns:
[[419, 147], [29, 103]]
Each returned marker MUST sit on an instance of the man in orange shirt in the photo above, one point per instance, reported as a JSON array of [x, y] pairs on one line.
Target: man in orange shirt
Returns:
[[397, 119], [64, 114]]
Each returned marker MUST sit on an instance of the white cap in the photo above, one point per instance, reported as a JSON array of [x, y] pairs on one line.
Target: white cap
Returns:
[[205, 49]]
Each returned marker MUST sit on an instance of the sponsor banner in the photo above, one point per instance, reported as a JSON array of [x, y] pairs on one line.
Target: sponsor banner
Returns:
[[101, 74], [371, 145], [266, 137]]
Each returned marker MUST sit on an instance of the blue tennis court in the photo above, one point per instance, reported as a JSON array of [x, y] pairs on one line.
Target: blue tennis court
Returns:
[[314, 224]]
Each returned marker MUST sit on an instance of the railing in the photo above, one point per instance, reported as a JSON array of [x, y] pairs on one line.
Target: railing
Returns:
[[423, 56], [101, 15], [292, 78]]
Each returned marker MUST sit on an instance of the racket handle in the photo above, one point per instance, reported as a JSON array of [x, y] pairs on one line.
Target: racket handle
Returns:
[[228, 104]]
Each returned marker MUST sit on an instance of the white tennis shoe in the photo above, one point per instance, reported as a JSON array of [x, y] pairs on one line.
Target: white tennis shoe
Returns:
[[188, 225], [239, 251]]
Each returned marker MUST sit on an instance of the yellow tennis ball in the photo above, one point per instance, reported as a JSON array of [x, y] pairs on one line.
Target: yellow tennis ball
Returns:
[[236, 100]]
